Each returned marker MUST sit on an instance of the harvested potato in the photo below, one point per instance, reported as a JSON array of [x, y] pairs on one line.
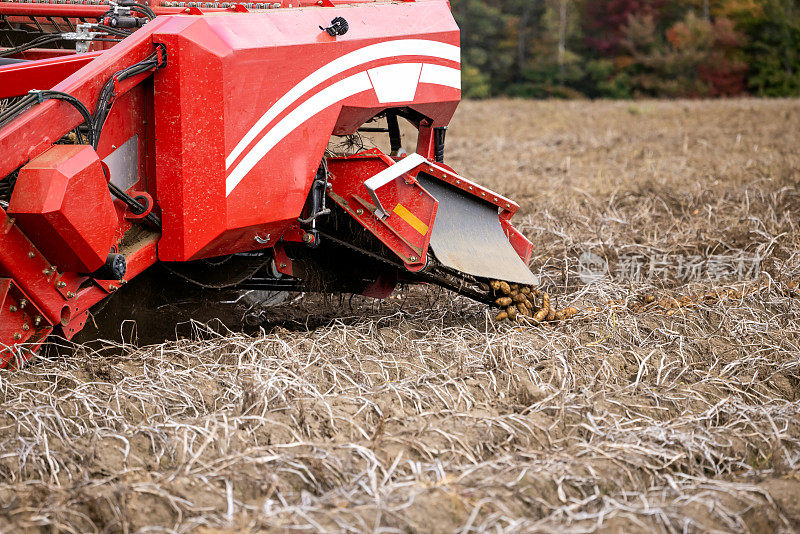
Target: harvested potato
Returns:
[[504, 301], [569, 312], [523, 303], [512, 312], [545, 303]]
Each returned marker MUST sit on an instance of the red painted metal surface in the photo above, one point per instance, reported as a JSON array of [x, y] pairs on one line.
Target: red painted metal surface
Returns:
[[252, 136], [522, 246], [19, 78], [50, 200], [22, 325], [411, 210]]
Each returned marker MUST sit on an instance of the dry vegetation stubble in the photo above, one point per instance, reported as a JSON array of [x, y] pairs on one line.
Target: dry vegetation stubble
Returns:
[[422, 414]]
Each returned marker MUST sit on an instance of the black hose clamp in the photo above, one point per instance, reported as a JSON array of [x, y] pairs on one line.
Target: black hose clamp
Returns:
[[161, 55]]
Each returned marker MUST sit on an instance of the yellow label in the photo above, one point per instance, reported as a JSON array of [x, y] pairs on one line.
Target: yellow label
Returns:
[[411, 219]]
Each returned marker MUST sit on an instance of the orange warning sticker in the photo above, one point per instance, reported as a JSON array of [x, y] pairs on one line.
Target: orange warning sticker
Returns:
[[411, 219]]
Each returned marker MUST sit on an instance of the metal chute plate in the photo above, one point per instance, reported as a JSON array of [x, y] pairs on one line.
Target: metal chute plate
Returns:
[[467, 236]]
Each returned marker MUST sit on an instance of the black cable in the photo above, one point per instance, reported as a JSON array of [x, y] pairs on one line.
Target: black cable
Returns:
[[144, 10], [77, 104], [44, 39], [106, 99], [40, 96], [113, 31], [17, 107], [133, 204]]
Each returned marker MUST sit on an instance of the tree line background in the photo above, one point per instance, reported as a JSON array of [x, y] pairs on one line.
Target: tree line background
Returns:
[[629, 48]]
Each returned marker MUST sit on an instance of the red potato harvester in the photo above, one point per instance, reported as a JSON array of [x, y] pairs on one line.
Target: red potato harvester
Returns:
[[197, 135]]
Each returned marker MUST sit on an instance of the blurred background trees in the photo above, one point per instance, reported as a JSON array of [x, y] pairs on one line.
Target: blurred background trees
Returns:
[[629, 48]]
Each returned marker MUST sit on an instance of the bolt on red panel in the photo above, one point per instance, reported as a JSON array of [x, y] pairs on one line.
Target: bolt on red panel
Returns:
[[22, 325]]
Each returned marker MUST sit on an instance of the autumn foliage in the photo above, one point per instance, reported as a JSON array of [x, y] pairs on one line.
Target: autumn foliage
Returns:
[[630, 48]]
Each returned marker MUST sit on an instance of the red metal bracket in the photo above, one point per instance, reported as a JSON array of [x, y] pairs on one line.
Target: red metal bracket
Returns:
[[405, 216], [295, 234], [282, 261], [23, 326]]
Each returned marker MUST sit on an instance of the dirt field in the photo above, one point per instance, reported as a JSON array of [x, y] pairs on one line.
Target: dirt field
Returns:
[[669, 405]]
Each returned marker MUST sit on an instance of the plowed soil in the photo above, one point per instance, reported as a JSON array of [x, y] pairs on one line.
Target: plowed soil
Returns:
[[669, 404]]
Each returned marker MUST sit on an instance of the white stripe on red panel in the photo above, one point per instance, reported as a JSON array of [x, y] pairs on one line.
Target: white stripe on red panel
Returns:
[[377, 79], [396, 48], [320, 101]]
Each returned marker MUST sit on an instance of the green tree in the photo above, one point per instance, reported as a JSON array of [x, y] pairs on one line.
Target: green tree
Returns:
[[483, 27], [629, 48], [774, 54]]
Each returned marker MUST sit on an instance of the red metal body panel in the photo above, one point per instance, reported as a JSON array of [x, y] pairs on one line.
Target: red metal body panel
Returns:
[[411, 210], [49, 205], [253, 136], [18, 79]]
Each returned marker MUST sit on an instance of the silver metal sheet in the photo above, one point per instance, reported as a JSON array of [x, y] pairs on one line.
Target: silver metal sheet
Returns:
[[467, 236], [123, 164]]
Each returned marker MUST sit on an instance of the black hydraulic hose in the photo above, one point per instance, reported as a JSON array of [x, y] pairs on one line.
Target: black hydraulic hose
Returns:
[[106, 99], [77, 104], [144, 10], [42, 40], [133, 204], [113, 31], [36, 97], [17, 107]]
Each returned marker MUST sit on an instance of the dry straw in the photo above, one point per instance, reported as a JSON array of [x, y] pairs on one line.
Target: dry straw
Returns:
[[423, 414]]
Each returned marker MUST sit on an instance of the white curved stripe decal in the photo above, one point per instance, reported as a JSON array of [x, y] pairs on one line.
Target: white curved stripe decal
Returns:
[[397, 48], [358, 83], [396, 82], [337, 92], [438, 75]]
